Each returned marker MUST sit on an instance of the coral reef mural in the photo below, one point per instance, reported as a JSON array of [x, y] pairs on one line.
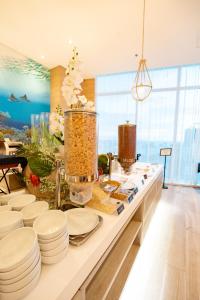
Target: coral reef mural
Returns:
[[24, 90]]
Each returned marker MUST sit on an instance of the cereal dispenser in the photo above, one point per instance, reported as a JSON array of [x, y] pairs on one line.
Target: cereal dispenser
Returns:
[[80, 153]]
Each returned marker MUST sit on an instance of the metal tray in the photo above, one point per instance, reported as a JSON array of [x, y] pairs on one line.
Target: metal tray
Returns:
[[81, 239]]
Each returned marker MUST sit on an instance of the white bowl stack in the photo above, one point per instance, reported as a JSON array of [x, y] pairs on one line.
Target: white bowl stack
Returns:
[[20, 201], [51, 228], [20, 263], [9, 221], [32, 211]]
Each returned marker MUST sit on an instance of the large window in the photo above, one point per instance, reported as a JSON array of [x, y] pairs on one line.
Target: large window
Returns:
[[170, 117]]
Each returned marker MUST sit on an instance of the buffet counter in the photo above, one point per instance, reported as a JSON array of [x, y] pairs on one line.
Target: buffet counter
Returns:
[[98, 269]]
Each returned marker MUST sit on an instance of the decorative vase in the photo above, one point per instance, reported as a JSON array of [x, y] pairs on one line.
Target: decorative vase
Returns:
[[80, 153]]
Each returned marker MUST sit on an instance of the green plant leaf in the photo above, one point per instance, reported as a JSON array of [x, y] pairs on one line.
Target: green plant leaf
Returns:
[[40, 167]]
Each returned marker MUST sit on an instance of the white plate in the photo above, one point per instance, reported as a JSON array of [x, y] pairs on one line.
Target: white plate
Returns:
[[50, 224], [21, 269], [58, 249], [20, 201], [16, 248], [5, 208], [54, 244], [80, 221], [22, 292], [9, 220], [5, 233], [33, 210], [54, 259], [13, 287], [24, 273]]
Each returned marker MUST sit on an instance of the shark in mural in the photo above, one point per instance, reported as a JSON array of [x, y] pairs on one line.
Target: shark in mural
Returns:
[[12, 98], [24, 98]]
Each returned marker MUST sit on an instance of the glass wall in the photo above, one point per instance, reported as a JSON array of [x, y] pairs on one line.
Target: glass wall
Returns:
[[170, 117]]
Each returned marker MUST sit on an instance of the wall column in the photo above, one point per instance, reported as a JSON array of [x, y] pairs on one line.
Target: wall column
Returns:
[[56, 98], [88, 86]]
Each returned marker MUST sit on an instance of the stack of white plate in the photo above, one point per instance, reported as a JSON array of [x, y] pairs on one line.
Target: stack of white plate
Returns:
[[20, 264], [32, 211], [20, 201], [52, 234], [9, 221]]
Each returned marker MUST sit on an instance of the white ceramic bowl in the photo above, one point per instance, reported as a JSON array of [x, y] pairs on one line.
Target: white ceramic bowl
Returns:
[[5, 208], [9, 220], [13, 287], [5, 198], [47, 241], [33, 210], [16, 248], [5, 233], [54, 259], [24, 273], [22, 292], [54, 244], [15, 273], [50, 224], [58, 249], [20, 201]]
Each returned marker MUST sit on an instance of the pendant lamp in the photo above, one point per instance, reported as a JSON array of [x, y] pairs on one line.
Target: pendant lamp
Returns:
[[142, 84]]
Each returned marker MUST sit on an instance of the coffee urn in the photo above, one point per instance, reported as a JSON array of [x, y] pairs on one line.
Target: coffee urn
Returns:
[[127, 145]]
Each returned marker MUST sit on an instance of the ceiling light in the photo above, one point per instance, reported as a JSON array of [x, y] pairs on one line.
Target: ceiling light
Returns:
[[42, 56], [142, 85]]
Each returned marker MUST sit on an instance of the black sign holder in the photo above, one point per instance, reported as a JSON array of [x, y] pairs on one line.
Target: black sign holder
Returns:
[[165, 152]]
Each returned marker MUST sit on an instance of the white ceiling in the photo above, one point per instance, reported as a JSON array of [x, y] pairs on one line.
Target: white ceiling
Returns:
[[107, 32]]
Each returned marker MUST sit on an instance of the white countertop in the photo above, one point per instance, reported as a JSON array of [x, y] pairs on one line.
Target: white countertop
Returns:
[[62, 280]]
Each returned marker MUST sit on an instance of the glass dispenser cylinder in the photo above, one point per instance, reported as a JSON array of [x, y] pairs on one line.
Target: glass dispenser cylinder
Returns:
[[80, 153]]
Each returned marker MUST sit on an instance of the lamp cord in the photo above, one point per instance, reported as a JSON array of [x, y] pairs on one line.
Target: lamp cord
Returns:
[[143, 29]]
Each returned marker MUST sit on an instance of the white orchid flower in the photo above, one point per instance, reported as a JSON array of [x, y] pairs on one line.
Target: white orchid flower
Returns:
[[83, 99], [61, 128], [71, 87], [61, 119]]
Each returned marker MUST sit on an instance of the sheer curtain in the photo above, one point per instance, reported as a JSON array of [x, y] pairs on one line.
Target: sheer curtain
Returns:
[[115, 106], [170, 117], [155, 126]]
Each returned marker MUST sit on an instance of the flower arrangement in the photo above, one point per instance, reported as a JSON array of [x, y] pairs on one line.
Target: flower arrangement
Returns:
[[40, 173], [41, 161], [71, 88]]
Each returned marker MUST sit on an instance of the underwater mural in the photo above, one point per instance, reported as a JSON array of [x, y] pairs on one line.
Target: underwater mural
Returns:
[[24, 90]]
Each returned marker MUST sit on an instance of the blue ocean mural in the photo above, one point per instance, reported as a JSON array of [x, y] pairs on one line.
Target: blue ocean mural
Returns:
[[24, 90]]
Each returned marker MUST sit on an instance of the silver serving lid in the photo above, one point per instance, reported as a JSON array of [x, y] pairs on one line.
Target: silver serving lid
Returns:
[[127, 124], [80, 111]]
